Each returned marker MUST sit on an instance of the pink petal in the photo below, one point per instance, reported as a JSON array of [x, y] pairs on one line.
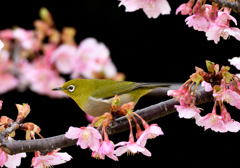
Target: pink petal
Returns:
[[73, 132]]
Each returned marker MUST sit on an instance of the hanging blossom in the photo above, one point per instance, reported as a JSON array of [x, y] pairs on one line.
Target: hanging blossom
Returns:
[[11, 161], [226, 89], [215, 23], [88, 137], [51, 159], [152, 8]]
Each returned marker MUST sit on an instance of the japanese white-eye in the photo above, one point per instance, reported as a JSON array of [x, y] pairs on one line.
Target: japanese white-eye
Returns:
[[94, 96]]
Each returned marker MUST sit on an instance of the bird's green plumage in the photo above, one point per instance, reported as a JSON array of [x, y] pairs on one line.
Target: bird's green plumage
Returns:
[[100, 90]]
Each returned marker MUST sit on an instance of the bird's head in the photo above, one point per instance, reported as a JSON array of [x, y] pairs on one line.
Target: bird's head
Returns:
[[70, 88]]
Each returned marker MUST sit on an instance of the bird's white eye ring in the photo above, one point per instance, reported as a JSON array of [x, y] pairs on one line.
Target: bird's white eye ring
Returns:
[[71, 88]]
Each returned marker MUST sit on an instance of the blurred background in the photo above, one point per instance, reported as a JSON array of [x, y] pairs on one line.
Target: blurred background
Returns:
[[146, 50]]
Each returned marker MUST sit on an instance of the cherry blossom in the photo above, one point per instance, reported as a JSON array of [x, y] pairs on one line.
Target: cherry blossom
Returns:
[[229, 96], [91, 57], [198, 21], [151, 132], [235, 61], [63, 57], [212, 121], [14, 160], [230, 124], [221, 27], [106, 148], [187, 111], [25, 37], [41, 78], [186, 8], [207, 86], [131, 147], [3, 158], [152, 8], [8, 82], [1, 104], [51, 159], [87, 137]]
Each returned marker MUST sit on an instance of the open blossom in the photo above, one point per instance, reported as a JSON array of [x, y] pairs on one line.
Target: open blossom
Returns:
[[49, 160], [198, 21], [212, 121], [149, 133], [63, 57], [15, 160], [11, 161], [152, 8], [215, 32], [229, 96], [131, 147], [187, 111], [106, 148], [235, 61], [207, 86], [221, 27], [87, 137]]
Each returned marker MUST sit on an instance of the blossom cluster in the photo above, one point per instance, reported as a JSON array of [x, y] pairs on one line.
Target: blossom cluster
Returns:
[[38, 161], [152, 8], [26, 60], [101, 146], [210, 19], [225, 88]]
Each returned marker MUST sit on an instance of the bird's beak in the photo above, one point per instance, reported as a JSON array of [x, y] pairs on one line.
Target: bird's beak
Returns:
[[58, 88]]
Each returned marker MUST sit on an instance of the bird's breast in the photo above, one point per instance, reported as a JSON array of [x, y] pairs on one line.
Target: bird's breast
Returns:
[[97, 106]]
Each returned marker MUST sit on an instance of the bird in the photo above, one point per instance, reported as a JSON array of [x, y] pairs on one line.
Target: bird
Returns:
[[94, 96]]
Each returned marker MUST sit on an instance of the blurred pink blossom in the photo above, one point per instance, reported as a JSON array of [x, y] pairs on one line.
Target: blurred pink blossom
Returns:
[[64, 57], [25, 37], [41, 79], [6, 34], [8, 82], [235, 61], [92, 57], [1, 104]]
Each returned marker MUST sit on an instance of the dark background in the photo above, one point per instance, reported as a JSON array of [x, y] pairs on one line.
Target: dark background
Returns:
[[146, 50]]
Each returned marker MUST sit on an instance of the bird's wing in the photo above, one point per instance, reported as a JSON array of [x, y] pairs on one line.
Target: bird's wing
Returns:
[[116, 88]]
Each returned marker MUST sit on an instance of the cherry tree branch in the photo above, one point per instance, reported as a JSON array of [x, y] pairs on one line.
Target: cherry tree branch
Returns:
[[233, 4], [48, 144]]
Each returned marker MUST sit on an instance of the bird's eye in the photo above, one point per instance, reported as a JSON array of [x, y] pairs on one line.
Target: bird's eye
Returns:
[[71, 88]]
